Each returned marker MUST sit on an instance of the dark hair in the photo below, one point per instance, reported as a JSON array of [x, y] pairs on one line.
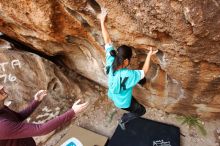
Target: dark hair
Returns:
[[123, 52]]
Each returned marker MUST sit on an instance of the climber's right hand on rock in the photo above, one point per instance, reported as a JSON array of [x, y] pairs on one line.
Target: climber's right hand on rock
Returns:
[[79, 107], [102, 15]]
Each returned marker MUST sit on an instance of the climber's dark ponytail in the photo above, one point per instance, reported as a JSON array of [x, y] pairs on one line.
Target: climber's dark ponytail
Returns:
[[123, 52]]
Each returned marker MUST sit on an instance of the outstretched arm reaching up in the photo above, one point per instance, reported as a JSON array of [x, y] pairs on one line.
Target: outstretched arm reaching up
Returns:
[[147, 61], [105, 33]]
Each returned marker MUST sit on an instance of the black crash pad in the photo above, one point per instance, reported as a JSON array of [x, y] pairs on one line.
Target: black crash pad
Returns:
[[144, 132]]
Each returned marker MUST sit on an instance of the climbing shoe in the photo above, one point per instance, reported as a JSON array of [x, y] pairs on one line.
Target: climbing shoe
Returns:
[[122, 124]]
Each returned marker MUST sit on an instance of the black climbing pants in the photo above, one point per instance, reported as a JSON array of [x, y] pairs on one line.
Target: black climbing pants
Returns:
[[135, 110]]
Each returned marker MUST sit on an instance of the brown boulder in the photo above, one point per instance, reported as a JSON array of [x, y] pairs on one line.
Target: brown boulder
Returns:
[[185, 74]]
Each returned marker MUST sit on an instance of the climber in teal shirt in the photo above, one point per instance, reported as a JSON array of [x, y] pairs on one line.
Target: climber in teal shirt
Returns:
[[122, 80]]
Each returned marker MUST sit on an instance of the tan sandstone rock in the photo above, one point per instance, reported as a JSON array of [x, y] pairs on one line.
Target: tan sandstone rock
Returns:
[[184, 76], [23, 74]]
